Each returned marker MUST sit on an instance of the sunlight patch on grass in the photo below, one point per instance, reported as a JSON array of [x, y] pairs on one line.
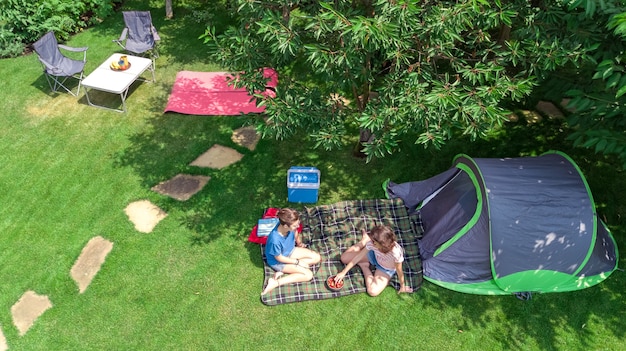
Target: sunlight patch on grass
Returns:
[[40, 110]]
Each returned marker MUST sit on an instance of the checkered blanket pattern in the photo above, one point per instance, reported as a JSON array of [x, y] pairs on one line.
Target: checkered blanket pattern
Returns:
[[331, 229]]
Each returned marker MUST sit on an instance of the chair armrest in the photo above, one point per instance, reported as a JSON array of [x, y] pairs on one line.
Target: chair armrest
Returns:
[[155, 35], [73, 49], [122, 36]]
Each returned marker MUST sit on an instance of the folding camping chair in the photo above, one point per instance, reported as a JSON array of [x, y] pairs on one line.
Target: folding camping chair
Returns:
[[139, 36], [57, 67]]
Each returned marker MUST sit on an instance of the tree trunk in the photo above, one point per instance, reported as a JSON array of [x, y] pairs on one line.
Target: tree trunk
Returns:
[[169, 12], [505, 34], [365, 135]]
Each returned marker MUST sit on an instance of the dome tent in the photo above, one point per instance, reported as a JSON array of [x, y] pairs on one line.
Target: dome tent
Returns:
[[510, 225]]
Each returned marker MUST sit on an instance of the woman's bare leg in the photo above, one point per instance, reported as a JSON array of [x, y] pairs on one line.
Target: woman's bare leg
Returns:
[[295, 274], [376, 282], [307, 257], [271, 285], [353, 250]]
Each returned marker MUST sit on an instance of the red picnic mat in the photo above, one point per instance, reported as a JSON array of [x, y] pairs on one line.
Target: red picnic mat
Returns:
[[208, 93]]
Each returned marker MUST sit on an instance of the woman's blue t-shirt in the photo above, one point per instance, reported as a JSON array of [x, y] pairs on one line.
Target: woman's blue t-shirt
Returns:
[[279, 245]]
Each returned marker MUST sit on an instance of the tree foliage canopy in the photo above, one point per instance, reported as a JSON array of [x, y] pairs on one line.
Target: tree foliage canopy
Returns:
[[598, 94], [394, 68]]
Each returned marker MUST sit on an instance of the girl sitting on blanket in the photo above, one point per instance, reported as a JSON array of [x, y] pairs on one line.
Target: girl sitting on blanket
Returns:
[[286, 253], [380, 249]]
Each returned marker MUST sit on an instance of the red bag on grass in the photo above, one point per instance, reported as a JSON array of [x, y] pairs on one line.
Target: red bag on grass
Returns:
[[269, 213]]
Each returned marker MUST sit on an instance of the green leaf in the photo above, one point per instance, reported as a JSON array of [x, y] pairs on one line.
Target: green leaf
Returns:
[[590, 142], [607, 72], [600, 146], [605, 64], [574, 92], [574, 4], [613, 80], [621, 92], [590, 8]]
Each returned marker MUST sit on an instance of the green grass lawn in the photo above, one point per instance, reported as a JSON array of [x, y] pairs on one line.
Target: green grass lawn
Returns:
[[68, 170]]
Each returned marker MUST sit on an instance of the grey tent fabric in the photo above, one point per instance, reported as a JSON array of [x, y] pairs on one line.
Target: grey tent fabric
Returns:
[[601, 256], [56, 66], [413, 193], [139, 35], [453, 206], [510, 225], [549, 202]]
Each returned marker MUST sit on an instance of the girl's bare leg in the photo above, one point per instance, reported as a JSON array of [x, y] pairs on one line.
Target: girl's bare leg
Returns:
[[376, 282], [271, 285], [365, 267], [307, 257], [295, 274], [353, 250]]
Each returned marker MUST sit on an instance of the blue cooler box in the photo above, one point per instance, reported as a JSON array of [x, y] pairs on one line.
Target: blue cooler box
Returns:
[[303, 184]]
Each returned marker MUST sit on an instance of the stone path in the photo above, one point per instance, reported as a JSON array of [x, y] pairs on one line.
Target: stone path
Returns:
[[182, 187], [217, 157], [144, 215], [246, 137], [89, 262], [3, 342], [27, 309]]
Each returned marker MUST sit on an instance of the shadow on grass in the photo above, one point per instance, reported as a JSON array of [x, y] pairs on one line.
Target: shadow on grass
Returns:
[[42, 85], [588, 314], [171, 141]]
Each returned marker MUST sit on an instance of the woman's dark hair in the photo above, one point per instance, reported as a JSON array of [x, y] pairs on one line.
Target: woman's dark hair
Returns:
[[288, 216], [384, 236]]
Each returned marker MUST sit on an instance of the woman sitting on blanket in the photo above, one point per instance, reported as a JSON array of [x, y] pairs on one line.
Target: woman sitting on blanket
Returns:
[[380, 249], [286, 253]]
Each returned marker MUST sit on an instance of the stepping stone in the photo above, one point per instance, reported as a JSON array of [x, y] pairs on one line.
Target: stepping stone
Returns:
[[89, 262], [182, 186], [217, 157], [27, 309], [3, 342], [246, 137], [548, 109], [144, 215]]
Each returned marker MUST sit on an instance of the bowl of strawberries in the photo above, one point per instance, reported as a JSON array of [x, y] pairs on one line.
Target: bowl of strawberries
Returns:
[[331, 285]]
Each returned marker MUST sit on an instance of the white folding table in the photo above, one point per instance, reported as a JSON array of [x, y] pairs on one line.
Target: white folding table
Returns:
[[108, 80]]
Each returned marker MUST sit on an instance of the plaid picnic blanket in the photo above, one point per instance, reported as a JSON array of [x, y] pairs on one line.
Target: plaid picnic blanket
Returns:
[[331, 229]]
